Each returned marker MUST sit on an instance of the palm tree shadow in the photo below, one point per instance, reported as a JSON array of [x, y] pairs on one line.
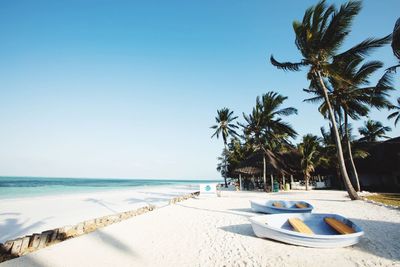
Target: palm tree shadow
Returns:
[[14, 227], [101, 203], [329, 200], [244, 229], [149, 200], [218, 211], [247, 210], [9, 213], [135, 200], [115, 243]]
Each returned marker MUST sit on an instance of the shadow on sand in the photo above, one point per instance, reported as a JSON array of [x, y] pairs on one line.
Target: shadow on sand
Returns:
[[238, 212], [14, 227], [115, 243], [240, 229], [101, 203]]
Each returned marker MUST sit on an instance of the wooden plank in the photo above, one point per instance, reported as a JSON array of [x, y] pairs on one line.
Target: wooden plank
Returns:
[[299, 226], [301, 205], [54, 235], [24, 245], [16, 248], [7, 246], [35, 239], [340, 227], [44, 237], [277, 204]]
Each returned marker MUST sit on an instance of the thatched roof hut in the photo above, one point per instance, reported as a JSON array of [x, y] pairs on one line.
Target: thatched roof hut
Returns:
[[284, 163]]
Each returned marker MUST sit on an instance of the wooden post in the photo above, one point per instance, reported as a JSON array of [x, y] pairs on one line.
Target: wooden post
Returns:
[[272, 183], [240, 181]]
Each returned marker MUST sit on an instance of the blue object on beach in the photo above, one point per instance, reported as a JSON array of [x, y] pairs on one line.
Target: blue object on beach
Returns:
[[277, 227], [280, 206]]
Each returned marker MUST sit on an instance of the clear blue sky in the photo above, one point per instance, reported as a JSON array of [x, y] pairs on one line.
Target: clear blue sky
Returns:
[[127, 89]]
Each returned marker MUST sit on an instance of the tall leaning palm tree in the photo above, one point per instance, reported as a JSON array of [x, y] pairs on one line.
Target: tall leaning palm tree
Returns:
[[264, 128], [373, 130], [351, 97], [225, 127], [309, 149], [395, 115], [319, 37]]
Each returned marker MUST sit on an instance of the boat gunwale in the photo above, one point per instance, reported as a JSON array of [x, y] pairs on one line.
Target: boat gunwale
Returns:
[[309, 208], [312, 236]]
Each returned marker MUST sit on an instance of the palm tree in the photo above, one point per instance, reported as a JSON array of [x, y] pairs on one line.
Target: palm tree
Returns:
[[223, 164], [309, 149], [396, 43], [225, 125], [373, 130], [319, 37], [264, 129], [226, 128], [350, 99], [395, 114]]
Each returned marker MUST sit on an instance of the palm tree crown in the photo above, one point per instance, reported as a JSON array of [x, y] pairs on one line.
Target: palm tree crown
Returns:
[[264, 125], [320, 35], [396, 39], [309, 151], [396, 114], [373, 130], [396, 44], [225, 125]]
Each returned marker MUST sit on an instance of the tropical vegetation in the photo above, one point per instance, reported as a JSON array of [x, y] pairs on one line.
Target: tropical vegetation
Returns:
[[340, 81]]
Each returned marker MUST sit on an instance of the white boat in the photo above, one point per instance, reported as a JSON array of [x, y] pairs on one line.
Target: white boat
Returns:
[[280, 206], [277, 227]]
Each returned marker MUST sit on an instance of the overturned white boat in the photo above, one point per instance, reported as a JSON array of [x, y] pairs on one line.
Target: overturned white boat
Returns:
[[308, 229], [280, 206]]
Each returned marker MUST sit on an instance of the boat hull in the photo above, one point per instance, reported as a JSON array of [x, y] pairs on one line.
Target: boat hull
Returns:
[[276, 227], [263, 206]]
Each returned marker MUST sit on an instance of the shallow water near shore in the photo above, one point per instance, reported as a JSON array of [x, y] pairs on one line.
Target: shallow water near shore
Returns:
[[20, 187]]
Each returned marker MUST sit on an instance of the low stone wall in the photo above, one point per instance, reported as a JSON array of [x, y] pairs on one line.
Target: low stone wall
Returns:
[[24, 245]]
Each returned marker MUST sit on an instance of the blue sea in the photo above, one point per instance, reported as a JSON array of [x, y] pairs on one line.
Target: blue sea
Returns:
[[17, 187]]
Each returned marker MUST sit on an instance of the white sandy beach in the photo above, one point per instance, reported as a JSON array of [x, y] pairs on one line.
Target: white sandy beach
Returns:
[[216, 232], [23, 216]]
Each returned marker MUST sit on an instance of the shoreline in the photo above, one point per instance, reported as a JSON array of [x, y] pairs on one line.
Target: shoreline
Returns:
[[32, 187], [81, 193], [24, 216]]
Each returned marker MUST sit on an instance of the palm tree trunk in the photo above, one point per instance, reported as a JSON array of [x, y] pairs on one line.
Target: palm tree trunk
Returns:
[[272, 183], [350, 189], [353, 166], [338, 176], [306, 178], [226, 167], [265, 173]]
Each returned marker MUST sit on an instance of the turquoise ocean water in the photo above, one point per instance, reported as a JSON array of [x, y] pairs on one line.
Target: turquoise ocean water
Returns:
[[17, 187]]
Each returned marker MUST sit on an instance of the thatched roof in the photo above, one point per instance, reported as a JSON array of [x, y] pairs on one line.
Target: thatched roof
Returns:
[[285, 163], [248, 170]]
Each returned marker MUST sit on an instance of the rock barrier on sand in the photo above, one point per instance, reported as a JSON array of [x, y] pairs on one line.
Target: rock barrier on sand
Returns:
[[24, 245]]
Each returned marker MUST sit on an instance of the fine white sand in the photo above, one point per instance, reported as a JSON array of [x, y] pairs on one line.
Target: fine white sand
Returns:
[[23, 216], [216, 232]]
